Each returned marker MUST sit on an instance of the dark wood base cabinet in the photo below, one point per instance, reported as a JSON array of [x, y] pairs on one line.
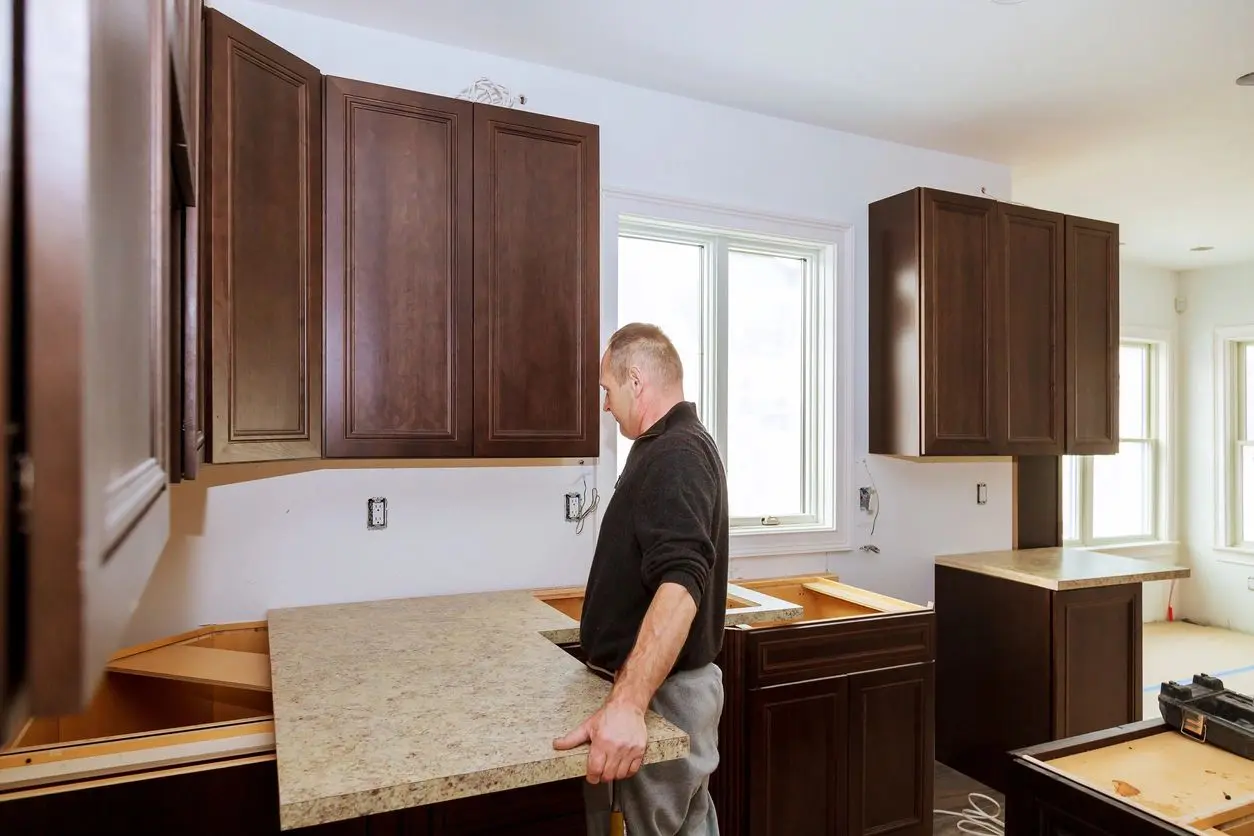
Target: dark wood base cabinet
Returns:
[[827, 729], [1019, 665], [1140, 779]]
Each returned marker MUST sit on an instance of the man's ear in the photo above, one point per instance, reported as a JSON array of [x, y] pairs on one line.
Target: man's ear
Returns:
[[635, 378]]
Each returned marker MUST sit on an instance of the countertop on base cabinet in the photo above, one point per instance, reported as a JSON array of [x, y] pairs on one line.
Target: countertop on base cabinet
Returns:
[[1035, 645]]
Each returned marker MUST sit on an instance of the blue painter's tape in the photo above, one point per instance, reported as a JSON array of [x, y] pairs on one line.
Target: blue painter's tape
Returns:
[[1187, 679]]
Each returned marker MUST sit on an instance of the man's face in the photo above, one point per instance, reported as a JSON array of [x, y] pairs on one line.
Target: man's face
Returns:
[[620, 397]]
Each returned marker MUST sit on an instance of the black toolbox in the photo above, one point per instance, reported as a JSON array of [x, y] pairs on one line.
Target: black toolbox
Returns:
[[1207, 711]]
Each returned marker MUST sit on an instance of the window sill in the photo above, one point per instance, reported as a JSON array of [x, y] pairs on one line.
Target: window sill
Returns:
[[1236, 555], [769, 541], [1152, 549]]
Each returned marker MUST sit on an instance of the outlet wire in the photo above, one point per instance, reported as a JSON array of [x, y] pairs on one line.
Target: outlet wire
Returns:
[[875, 496], [976, 818], [583, 513]]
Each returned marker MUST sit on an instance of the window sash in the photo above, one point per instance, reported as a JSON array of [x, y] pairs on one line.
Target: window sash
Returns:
[[816, 370], [1240, 441], [1078, 529]]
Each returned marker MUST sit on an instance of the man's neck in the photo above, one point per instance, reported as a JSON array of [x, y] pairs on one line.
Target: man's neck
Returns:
[[656, 410]]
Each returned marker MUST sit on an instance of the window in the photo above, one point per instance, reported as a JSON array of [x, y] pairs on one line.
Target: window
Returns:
[[1119, 498], [752, 313], [1235, 385]]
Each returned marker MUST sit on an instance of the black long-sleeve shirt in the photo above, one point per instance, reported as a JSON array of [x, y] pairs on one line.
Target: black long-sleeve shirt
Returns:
[[667, 521]]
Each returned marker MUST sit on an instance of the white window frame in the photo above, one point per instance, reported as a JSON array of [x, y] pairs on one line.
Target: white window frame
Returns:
[[827, 248], [1160, 407], [1230, 393]]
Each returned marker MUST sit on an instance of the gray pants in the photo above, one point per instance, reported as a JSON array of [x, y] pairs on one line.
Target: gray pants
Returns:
[[671, 798]]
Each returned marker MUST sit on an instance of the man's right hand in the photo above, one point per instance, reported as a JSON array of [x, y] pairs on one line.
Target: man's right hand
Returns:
[[618, 736]]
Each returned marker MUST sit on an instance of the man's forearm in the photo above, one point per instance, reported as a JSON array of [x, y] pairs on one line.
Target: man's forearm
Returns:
[[661, 637]]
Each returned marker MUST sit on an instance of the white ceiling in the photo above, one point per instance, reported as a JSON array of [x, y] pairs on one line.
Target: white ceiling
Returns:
[[1125, 110]]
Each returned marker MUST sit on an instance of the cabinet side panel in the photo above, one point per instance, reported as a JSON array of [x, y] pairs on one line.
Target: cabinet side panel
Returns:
[[894, 325], [265, 160], [1034, 315], [399, 272], [536, 285], [1092, 337], [12, 595], [727, 784], [992, 639]]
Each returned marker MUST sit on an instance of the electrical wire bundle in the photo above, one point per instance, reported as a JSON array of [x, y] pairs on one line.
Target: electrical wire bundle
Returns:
[[976, 818]]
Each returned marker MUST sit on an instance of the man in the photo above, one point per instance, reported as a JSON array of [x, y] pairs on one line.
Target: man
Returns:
[[656, 598]]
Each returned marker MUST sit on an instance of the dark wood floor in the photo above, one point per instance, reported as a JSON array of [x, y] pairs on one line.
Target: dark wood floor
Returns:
[[951, 793]]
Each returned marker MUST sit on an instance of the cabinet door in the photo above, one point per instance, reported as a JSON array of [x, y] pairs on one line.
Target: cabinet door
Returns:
[[97, 174], [891, 751], [11, 640], [797, 756], [1031, 326], [536, 286], [262, 221], [961, 306], [1092, 337], [399, 280], [1097, 639]]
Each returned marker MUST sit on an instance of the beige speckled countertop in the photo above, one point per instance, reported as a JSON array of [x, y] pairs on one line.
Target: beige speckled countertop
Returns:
[[1063, 568], [389, 704]]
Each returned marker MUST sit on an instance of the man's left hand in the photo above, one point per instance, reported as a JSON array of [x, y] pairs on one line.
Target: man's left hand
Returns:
[[618, 737]]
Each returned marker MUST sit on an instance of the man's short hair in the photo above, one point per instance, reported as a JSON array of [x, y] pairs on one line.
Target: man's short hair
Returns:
[[645, 345]]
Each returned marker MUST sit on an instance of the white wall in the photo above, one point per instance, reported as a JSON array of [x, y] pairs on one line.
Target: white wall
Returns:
[[1147, 298], [1217, 593], [242, 544]]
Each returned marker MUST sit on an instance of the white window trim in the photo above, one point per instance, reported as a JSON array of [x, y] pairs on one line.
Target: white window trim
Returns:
[[624, 211], [1227, 512], [1162, 434]]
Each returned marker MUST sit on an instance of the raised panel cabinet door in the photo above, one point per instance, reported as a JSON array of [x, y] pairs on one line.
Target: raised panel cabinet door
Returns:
[[1032, 322], [1092, 337], [797, 756], [262, 229], [537, 286], [961, 305], [12, 638], [399, 272], [1097, 660], [891, 751], [97, 187]]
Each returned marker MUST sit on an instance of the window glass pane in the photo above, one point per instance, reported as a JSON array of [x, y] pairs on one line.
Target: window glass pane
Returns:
[[1133, 376], [660, 282], [1247, 493], [765, 384], [1070, 497], [1247, 367], [1121, 487]]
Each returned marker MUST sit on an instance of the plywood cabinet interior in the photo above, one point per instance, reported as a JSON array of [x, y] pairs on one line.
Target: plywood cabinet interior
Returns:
[[994, 329]]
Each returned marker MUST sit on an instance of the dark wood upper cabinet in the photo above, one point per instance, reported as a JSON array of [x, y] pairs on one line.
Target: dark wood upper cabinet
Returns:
[[537, 307], [399, 272], [262, 244], [993, 328], [460, 288], [1092, 336], [94, 213]]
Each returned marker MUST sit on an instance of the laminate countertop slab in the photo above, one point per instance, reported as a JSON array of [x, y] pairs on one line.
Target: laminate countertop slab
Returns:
[[1063, 568], [384, 705]]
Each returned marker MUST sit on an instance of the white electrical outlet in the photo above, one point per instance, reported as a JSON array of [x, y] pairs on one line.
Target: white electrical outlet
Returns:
[[572, 507], [376, 513]]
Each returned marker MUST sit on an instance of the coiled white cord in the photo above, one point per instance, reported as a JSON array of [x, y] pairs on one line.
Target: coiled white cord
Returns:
[[976, 819]]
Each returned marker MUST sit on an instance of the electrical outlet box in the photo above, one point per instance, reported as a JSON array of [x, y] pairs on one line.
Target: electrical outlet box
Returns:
[[864, 499], [376, 513], [572, 507], [1249, 583], [981, 493]]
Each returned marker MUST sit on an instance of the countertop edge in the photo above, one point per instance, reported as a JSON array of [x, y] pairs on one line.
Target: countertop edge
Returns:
[[326, 810], [1152, 572]]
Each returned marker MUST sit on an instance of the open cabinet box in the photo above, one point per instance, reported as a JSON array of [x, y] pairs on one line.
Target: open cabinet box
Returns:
[[1142, 778], [823, 597], [193, 701]]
